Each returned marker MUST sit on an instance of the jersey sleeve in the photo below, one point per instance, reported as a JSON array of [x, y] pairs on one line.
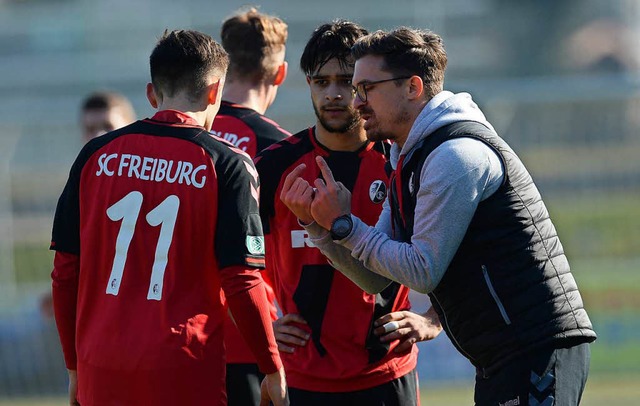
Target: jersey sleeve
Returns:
[[65, 236], [239, 236]]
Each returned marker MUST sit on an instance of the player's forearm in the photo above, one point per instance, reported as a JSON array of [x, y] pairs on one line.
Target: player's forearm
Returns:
[[65, 297], [341, 258]]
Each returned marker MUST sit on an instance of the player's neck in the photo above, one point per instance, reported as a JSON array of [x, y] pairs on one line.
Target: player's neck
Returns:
[[198, 113], [347, 141], [248, 95]]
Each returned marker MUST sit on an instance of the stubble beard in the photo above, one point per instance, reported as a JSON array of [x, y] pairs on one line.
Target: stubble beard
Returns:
[[352, 121]]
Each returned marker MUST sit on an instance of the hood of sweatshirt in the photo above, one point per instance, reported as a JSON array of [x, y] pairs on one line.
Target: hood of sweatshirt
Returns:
[[444, 108]]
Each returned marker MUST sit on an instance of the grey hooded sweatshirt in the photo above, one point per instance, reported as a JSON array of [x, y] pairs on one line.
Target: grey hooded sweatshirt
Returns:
[[455, 178]]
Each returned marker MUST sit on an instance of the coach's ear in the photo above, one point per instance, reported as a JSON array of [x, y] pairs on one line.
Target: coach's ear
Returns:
[[151, 96], [281, 74]]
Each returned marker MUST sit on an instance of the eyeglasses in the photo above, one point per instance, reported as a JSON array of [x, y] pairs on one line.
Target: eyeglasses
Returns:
[[361, 88]]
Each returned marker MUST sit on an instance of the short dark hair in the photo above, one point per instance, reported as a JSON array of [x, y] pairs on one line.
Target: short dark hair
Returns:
[[107, 100], [252, 39], [328, 41], [406, 52], [184, 60]]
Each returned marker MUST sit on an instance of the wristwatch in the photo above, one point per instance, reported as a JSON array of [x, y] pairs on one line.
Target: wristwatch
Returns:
[[341, 227]]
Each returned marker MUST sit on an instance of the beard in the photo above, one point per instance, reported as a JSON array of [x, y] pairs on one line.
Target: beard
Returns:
[[351, 122], [376, 132]]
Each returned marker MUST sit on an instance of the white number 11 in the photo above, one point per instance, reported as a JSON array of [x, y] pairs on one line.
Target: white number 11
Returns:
[[127, 209]]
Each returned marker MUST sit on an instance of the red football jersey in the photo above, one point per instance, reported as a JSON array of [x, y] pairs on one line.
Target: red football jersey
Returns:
[[343, 354], [141, 208], [251, 132]]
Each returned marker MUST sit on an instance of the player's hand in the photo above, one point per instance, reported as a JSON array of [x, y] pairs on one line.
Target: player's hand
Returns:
[[297, 194], [332, 199], [288, 335], [274, 389], [408, 327], [73, 387]]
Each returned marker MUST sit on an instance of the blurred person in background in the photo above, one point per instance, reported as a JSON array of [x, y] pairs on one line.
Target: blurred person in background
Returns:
[[100, 112], [255, 43], [104, 111], [156, 219], [339, 345], [463, 222]]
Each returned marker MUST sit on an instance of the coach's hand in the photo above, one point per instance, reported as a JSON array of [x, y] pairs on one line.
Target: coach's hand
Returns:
[[297, 195], [73, 387], [408, 327], [274, 389], [288, 334], [332, 199]]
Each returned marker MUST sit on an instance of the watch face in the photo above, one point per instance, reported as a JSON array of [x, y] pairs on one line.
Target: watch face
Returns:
[[341, 227]]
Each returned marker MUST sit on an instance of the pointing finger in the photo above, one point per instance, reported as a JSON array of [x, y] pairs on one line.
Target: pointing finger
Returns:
[[324, 168]]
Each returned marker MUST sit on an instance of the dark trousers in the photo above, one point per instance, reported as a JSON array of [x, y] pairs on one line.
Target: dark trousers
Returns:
[[544, 377], [399, 392], [243, 385]]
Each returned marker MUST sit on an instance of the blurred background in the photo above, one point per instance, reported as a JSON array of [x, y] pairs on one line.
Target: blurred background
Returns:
[[559, 80]]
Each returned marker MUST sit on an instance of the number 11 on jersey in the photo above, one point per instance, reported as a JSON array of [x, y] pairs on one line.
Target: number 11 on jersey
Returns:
[[164, 215]]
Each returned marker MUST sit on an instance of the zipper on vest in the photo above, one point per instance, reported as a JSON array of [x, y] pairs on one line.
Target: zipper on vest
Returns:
[[454, 341], [503, 312]]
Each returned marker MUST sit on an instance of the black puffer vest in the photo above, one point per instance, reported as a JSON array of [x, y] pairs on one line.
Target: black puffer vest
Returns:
[[509, 288]]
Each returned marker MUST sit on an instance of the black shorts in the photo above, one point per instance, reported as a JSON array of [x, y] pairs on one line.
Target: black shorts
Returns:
[[542, 378], [243, 385], [399, 392]]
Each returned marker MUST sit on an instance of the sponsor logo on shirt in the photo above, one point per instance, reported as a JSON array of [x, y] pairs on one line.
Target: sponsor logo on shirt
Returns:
[[152, 169], [300, 239], [255, 244], [377, 191]]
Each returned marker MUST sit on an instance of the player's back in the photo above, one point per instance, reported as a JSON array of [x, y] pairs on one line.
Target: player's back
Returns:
[[247, 129], [149, 309]]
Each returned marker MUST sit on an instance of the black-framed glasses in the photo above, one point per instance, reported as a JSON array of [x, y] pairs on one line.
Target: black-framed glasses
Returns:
[[361, 88]]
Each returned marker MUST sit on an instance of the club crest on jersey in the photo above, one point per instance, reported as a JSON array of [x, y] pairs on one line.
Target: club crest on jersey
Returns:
[[255, 244], [377, 191]]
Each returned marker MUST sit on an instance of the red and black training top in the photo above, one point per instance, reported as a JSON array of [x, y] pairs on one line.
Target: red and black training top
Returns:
[[343, 354], [245, 128], [152, 210]]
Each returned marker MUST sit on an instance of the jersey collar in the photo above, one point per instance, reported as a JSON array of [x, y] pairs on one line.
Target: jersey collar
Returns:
[[175, 117]]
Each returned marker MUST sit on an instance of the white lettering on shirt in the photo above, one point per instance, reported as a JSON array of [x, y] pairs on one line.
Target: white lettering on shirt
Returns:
[[151, 169], [300, 239]]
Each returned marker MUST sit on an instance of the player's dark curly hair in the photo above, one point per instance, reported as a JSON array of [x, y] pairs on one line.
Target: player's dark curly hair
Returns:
[[407, 52], [328, 41], [183, 60]]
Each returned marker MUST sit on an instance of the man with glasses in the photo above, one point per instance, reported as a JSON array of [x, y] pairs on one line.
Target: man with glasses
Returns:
[[339, 345], [463, 222]]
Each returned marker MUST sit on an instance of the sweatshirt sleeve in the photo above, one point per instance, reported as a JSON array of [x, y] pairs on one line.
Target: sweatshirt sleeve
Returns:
[[454, 179], [340, 257]]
